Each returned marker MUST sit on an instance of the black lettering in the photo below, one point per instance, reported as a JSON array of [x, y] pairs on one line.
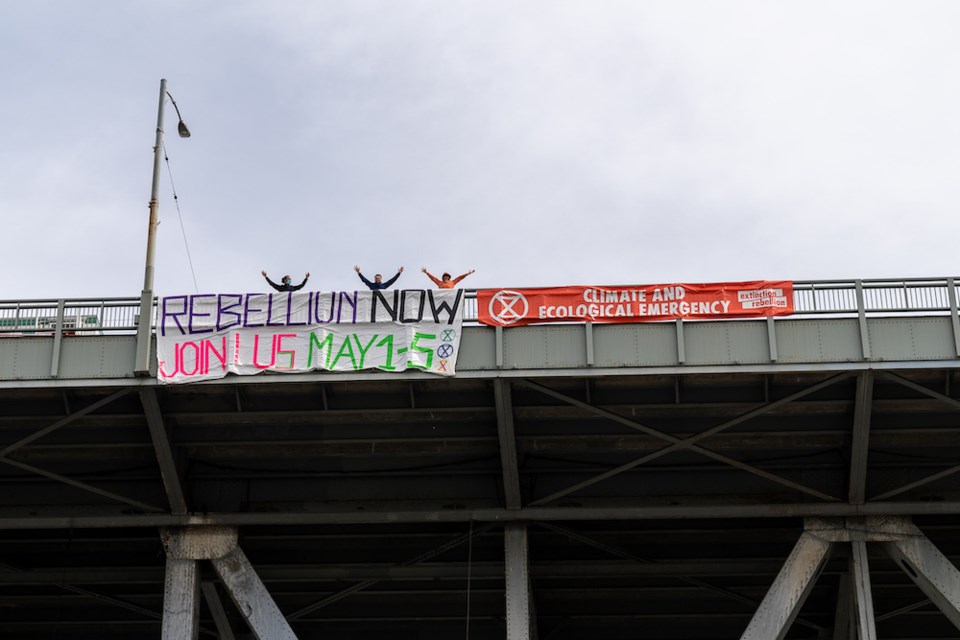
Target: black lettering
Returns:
[[379, 298], [436, 309], [421, 300]]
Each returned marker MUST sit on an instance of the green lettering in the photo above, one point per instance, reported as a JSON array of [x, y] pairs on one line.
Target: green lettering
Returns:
[[326, 343], [416, 347], [363, 350], [388, 342], [346, 349]]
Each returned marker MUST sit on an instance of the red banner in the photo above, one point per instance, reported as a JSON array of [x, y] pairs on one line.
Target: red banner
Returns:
[[642, 303]]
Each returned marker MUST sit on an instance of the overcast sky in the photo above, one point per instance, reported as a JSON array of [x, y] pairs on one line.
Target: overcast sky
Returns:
[[541, 143]]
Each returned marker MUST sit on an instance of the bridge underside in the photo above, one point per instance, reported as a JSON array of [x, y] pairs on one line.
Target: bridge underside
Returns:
[[659, 506]]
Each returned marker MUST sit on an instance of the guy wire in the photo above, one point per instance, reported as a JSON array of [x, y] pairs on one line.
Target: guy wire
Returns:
[[183, 230]]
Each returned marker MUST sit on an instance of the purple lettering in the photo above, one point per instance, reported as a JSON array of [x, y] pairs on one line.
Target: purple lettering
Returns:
[[247, 310], [225, 310], [351, 301], [197, 314], [270, 309], [175, 315], [315, 306], [290, 307]]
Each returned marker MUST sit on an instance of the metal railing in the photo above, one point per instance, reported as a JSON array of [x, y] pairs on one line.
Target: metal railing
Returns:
[[80, 316], [909, 295], [99, 316]]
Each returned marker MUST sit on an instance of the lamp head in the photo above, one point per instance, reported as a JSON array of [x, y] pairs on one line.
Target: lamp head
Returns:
[[182, 130]]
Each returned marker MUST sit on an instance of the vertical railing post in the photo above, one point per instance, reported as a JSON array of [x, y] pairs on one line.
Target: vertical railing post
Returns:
[[57, 339], [588, 328], [772, 338], [681, 345], [144, 334], [954, 319], [498, 335], [862, 316]]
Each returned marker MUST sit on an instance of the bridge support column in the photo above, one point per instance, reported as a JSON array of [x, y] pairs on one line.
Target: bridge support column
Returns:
[[906, 544], [928, 568], [216, 609], [181, 604], [783, 601], [520, 624], [508, 444], [862, 594], [186, 546], [842, 620]]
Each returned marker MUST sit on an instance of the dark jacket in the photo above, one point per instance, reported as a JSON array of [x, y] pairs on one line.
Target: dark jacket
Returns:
[[374, 286], [287, 287]]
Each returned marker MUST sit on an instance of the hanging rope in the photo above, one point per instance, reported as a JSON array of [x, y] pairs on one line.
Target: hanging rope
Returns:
[[469, 572], [183, 231]]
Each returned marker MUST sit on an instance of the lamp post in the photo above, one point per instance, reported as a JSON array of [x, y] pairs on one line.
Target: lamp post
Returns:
[[142, 364]]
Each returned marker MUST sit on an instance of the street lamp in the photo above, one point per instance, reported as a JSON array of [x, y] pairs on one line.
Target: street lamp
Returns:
[[142, 365]]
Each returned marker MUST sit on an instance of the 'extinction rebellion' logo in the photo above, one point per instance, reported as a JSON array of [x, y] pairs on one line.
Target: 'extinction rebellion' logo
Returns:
[[503, 306], [762, 298]]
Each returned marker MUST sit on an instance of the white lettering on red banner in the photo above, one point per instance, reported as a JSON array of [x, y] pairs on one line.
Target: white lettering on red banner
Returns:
[[643, 303]]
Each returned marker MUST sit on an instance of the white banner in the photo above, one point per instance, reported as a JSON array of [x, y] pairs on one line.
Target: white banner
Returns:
[[204, 337]]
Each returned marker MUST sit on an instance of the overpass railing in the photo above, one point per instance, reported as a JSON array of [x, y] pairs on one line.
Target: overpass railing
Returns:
[[99, 316]]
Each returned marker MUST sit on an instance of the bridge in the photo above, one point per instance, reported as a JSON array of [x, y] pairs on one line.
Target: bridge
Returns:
[[789, 477]]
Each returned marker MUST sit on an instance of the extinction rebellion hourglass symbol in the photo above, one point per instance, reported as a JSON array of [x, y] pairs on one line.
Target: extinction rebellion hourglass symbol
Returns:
[[507, 301]]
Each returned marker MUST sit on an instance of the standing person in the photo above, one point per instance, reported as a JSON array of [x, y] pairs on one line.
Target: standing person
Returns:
[[378, 282], [285, 282], [444, 281]]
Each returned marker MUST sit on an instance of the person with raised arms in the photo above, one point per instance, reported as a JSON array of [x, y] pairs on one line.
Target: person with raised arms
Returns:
[[285, 282], [445, 281], [378, 283]]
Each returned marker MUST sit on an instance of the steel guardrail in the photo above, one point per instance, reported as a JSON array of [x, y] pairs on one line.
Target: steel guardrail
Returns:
[[101, 316]]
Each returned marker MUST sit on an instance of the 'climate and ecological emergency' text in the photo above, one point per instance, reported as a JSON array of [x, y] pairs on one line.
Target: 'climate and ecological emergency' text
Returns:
[[507, 307]]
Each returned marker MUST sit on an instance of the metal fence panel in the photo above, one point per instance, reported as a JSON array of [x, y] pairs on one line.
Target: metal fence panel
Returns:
[[96, 316]]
